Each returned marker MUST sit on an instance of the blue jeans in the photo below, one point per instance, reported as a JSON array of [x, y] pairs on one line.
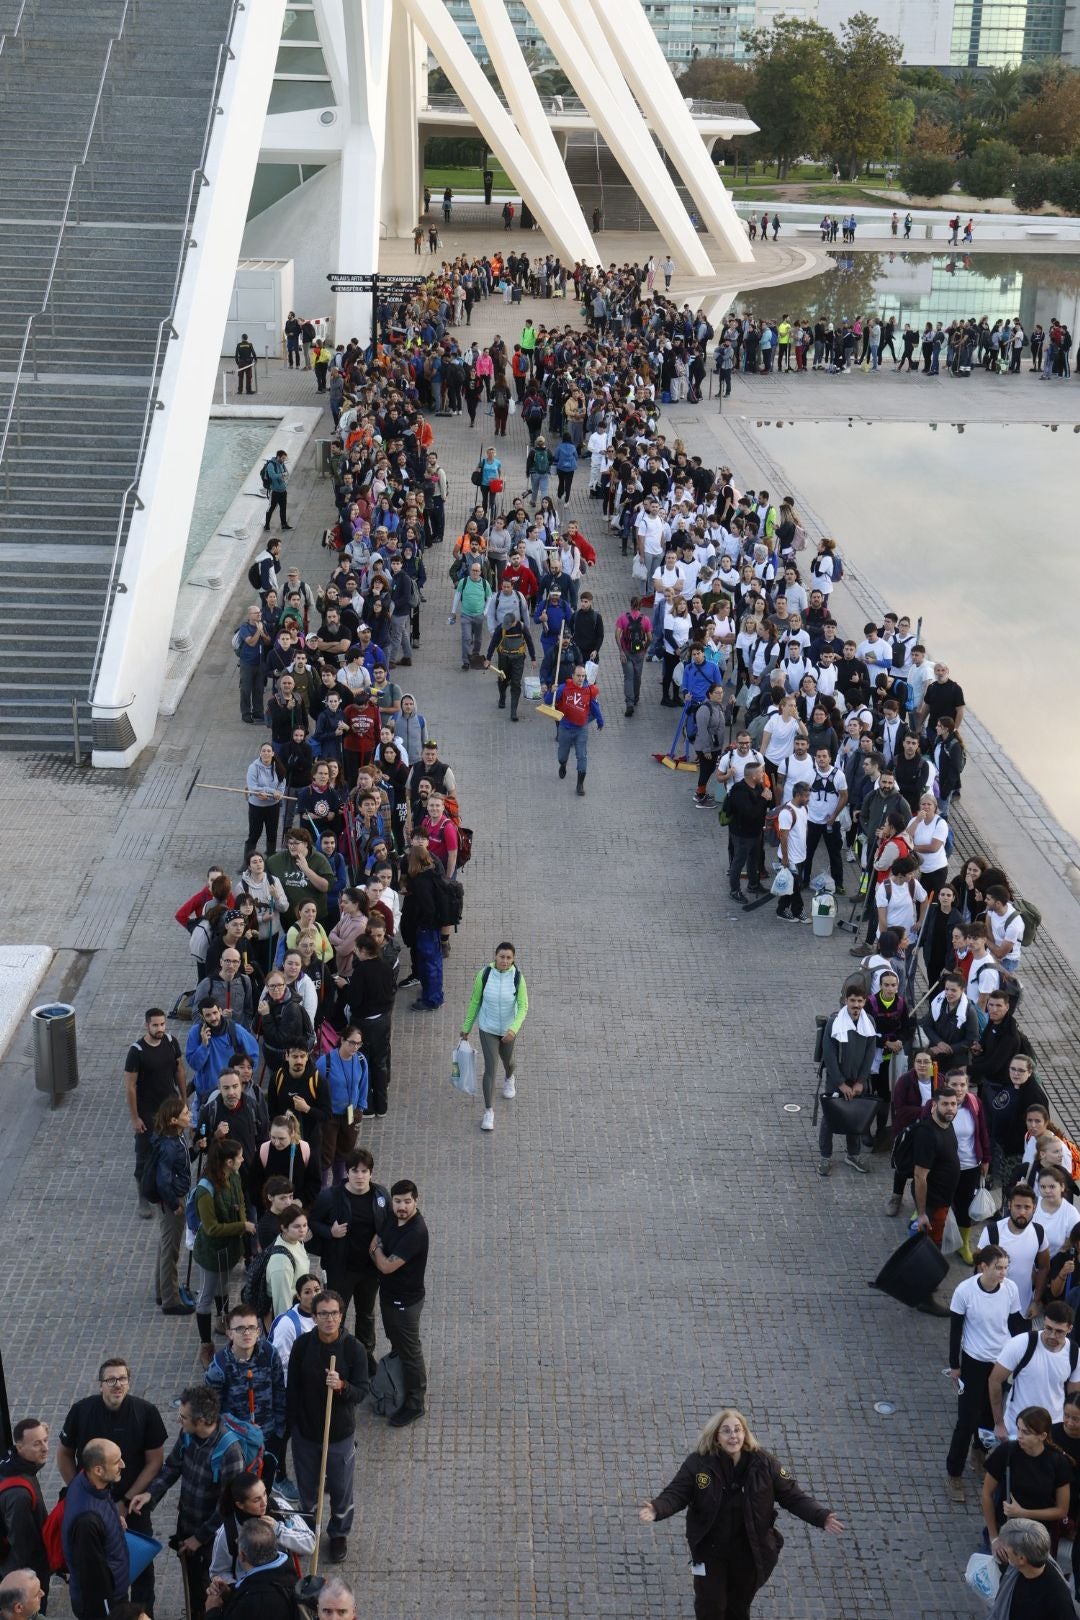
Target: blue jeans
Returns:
[[573, 737], [427, 958]]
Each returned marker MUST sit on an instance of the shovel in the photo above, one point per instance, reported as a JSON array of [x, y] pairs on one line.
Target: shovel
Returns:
[[310, 1585]]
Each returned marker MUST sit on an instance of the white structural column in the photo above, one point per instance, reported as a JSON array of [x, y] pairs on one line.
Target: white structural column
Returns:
[[401, 170], [363, 152], [517, 83], [546, 195], [637, 51], [586, 58]]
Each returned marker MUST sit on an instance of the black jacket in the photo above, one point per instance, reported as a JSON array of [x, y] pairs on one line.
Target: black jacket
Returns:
[[701, 1485], [332, 1206], [309, 1363], [747, 808], [1000, 1043], [22, 1514], [263, 1594]]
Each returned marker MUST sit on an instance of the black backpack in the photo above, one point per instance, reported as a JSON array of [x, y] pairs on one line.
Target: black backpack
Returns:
[[449, 901], [148, 1179], [1033, 1339], [264, 477], [636, 639], [992, 1236], [256, 1290], [902, 1158]]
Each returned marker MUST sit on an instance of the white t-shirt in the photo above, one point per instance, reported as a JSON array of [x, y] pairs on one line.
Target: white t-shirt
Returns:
[[1042, 1382], [1057, 1226], [792, 819], [922, 835], [737, 763], [900, 900], [964, 1126], [781, 735], [986, 1313], [983, 977], [798, 770], [1022, 1249], [1010, 927], [824, 800]]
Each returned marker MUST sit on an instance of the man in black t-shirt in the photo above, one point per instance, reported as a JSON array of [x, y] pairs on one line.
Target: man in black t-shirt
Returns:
[[401, 1260], [942, 700], [136, 1427], [936, 1175], [153, 1072], [345, 1219]]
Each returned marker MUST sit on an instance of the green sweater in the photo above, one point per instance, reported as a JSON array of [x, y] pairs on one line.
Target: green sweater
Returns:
[[474, 594]]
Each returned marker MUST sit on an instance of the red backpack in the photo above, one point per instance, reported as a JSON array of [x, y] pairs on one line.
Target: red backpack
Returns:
[[51, 1530]]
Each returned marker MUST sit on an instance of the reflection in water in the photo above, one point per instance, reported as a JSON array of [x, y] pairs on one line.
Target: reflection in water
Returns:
[[920, 287], [228, 456], [921, 516]]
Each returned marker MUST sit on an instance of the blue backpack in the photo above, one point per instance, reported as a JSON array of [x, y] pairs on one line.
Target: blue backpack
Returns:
[[248, 1436]]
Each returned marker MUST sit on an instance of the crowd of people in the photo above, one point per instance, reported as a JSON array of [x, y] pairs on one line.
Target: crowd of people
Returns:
[[246, 1133]]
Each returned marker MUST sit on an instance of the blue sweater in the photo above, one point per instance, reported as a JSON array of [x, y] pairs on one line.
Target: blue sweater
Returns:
[[347, 1080], [566, 457]]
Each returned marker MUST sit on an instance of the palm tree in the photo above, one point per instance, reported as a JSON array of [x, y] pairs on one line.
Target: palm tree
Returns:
[[1000, 94]]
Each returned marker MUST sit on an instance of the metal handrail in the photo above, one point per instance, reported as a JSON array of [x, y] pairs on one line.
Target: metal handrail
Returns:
[[198, 181], [446, 102]]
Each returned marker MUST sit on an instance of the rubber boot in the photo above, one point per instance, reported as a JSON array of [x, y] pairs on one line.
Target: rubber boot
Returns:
[[964, 1251], [581, 784]]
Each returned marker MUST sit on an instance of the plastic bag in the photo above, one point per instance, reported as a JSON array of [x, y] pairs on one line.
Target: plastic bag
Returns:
[[639, 570], [783, 883], [983, 1575], [983, 1204], [950, 1237], [463, 1069]]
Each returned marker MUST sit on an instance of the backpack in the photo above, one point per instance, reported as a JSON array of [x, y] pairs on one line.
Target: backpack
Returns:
[[1033, 1339], [636, 639], [256, 1290], [52, 1536], [449, 901], [248, 1436], [238, 640], [992, 1230], [50, 1530], [387, 1388], [254, 576], [902, 1158], [837, 568], [148, 1179], [541, 461], [1031, 917], [464, 847], [910, 889], [487, 973], [191, 1208], [264, 479]]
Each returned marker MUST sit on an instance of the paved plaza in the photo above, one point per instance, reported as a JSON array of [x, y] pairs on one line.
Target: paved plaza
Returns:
[[642, 1240]]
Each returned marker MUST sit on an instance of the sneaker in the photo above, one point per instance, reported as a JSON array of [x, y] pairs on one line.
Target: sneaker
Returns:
[[407, 984], [339, 1549], [740, 899], [407, 1415], [562, 771], [859, 950], [704, 803], [856, 1163], [510, 1086], [488, 1121], [850, 857], [220, 1324], [956, 1490], [892, 1204], [786, 916], [179, 1309], [824, 1167], [146, 1210], [628, 710], [206, 1355]]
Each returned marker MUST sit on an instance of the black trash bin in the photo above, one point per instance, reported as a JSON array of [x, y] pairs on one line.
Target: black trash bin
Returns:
[[56, 1059]]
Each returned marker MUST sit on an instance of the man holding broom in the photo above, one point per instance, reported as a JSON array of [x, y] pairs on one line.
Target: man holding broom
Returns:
[[328, 1379]]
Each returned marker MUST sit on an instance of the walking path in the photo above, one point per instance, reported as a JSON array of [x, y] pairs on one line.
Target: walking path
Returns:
[[643, 1238]]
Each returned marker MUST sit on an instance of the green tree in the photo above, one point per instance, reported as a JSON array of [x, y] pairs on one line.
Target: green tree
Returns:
[[991, 170], [1063, 189], [1032, 185], [790, 97], [928, 176], [714, 78], [901, 123], [863, 81], [999, 96]]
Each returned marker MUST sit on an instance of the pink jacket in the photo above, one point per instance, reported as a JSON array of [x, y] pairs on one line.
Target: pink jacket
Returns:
[[485, 366], [343, 937]]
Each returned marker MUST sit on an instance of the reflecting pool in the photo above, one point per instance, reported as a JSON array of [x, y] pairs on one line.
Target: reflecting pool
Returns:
[[920, 287], [970, 528], [228, 456]]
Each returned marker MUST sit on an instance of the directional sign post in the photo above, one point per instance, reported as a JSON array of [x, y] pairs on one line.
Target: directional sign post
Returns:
[[379, 287]]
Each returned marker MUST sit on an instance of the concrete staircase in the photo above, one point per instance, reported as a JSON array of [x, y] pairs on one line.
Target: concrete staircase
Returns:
[[599, 182], [104, 110]]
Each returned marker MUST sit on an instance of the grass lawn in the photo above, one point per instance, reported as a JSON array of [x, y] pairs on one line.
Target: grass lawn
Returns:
[[466, 180]]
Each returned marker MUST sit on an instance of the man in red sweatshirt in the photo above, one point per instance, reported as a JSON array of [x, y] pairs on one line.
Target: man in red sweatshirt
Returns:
[[576, 703]]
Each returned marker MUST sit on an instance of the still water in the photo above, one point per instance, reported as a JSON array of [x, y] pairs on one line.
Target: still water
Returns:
[[971, 530], [228, 456], [920, 287]]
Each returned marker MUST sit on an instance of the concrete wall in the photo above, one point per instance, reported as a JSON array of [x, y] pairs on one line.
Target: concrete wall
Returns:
[[137, 644], [302, 226]]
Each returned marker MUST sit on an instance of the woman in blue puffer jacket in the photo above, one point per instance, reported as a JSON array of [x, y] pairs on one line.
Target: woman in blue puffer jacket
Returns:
[[566, 460]]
